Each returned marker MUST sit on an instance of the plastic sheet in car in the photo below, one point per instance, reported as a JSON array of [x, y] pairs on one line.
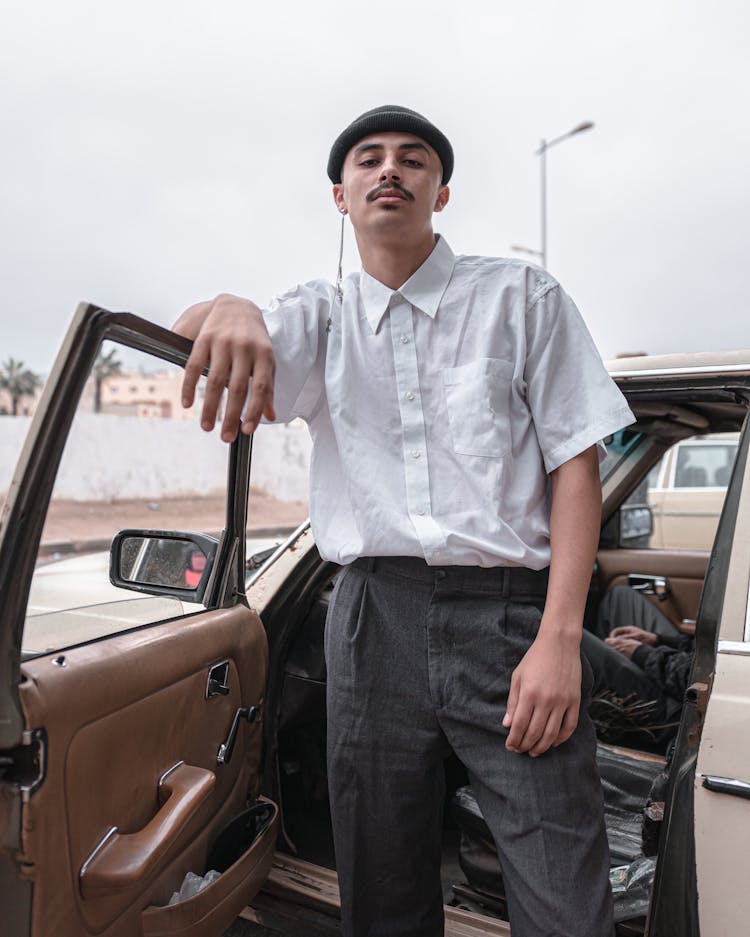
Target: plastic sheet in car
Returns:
[[626, 782], [631, 888]]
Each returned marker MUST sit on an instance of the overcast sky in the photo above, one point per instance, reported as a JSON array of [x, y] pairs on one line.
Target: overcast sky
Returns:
[[155, 153]]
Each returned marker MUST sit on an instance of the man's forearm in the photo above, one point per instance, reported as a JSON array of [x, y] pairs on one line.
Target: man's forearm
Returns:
[[192, 319], [575, 521], [545, 691]]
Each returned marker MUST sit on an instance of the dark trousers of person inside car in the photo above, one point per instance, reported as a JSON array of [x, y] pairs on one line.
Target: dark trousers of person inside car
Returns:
[[656, 676], [419, 662]]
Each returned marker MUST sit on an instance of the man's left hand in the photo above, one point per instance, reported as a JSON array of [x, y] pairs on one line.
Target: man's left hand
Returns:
[[545, 696], [625, 646], [635, 634]]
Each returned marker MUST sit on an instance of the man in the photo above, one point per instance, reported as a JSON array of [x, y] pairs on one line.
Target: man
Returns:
[[455, 406], [637, 653]]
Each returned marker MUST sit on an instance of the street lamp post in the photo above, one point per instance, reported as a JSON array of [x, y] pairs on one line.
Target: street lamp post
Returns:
[[527, 250], [542, 154]]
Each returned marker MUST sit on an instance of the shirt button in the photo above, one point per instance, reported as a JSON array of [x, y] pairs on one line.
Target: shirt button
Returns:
[[410, 396], [436, 555], [420, 511], [403, 339], [415, 453]]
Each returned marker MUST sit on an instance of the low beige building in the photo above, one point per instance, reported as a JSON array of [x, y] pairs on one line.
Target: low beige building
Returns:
[[156, 395], [26, 405]]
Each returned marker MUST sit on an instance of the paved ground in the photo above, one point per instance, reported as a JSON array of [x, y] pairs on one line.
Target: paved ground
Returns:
[[91, 520]]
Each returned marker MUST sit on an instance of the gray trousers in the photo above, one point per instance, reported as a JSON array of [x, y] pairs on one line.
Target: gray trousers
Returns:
[[614, 671], [419, 662], [625, 606]]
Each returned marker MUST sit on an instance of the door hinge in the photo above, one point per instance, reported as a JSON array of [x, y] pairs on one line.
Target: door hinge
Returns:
[[698, 694], [26, 765]]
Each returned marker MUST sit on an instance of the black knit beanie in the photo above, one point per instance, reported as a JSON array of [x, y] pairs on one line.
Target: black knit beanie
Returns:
[[385, 119]]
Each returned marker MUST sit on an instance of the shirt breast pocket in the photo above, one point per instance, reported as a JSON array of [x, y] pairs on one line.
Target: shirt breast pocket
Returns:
[[478, 401]]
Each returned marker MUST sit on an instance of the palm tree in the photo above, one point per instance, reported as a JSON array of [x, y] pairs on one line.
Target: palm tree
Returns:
[[19, 381], [106, 365]]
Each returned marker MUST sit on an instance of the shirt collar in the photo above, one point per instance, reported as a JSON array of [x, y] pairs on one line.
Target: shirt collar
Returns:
[[424, 288]]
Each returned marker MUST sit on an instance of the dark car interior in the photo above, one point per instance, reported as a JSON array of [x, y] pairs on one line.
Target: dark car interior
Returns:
[[634, 762]]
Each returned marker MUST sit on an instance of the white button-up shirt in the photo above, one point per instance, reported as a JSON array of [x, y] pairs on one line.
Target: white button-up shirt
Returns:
[[437, 410]]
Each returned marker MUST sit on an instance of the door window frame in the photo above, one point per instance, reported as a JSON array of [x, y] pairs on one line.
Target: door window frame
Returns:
[[31, 488]]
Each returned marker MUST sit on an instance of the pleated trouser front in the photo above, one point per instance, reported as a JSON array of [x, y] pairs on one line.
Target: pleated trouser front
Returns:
[[419, 663]]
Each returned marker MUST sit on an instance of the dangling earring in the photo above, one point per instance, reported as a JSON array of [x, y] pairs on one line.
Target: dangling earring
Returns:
[[339, 274]]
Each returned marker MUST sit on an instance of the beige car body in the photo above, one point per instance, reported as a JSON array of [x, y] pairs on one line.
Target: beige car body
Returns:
[[721, 822], [685, 515]]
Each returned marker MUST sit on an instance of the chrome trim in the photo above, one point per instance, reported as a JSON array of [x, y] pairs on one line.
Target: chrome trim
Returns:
[[96, 850], [278, 552], [726, 786], [734, 647], [214, 572], [166, 774], [689, 513], [649, 584], [38, 737], [716, 369]]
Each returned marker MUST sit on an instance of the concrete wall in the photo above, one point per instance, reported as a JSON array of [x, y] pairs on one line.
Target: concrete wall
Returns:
[[118, 457], [13, 431]]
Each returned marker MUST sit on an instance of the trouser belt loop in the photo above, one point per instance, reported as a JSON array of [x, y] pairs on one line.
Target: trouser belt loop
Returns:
[[370, 564], [506, 582]]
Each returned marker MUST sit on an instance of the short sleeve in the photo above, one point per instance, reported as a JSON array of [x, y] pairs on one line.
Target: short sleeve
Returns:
[[297, 325], [574, 402]]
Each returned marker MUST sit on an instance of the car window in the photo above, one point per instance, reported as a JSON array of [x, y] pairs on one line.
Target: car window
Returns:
[[279, 483], [685, 492], [619, 447], [134, 458], [704, 464]]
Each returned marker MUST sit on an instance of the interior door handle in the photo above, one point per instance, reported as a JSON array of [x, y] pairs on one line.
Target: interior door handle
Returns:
[[122, 860], [650, 585]]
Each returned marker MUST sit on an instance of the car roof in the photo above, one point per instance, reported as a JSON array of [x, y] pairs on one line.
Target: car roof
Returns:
[[705, 362]]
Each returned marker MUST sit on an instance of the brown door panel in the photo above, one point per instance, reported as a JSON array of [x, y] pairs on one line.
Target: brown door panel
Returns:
[[212, 910], [120, 714], [132, 859], [685, 570]]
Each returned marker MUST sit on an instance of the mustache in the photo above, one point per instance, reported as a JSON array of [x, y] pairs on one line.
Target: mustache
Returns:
[[393, 186]]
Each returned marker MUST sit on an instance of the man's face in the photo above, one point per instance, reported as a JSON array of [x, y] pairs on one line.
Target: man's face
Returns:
[[390, 183]]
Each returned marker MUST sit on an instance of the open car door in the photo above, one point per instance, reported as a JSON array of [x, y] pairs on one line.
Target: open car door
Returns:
[[722, 774], [130, 738]]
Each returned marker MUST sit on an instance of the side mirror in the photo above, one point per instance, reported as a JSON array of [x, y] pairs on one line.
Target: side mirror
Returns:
[[636, 525], [162, 562]]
